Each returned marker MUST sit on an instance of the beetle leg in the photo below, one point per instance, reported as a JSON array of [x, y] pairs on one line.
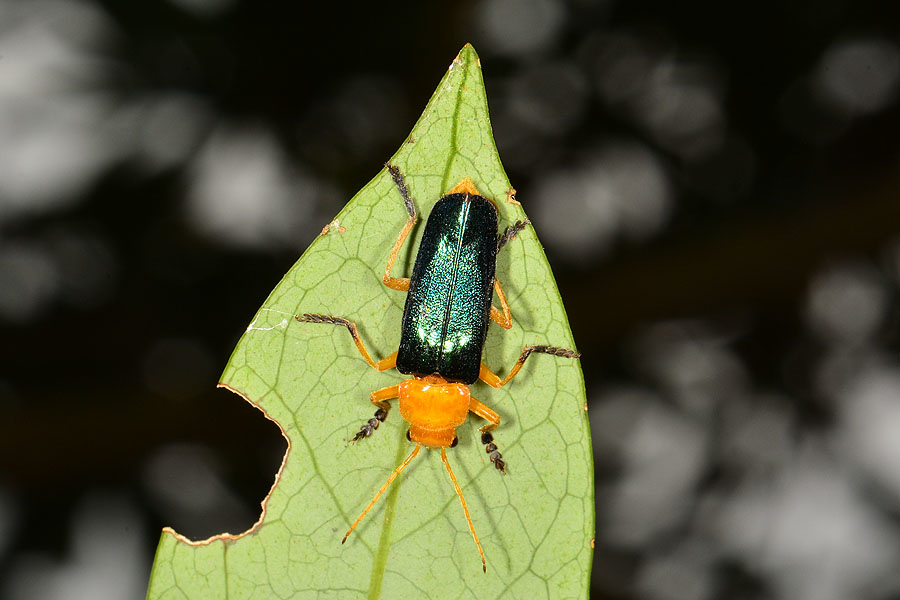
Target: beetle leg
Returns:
[[399, 283], [388, 362], [488, 376], [486, 438], [511, 232], [502, 318], [380, 399]]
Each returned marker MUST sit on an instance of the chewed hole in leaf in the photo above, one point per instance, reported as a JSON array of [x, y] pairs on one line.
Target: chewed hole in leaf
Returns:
[[535, 524]]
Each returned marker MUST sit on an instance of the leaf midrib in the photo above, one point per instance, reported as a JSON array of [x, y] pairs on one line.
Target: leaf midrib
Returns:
[[384, 541], [381, 554]]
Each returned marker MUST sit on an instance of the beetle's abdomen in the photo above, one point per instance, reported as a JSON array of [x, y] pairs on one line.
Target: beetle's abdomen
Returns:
[[449, 302]]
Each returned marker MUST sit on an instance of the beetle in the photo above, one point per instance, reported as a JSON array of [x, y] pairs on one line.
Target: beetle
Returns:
[[445, 321]]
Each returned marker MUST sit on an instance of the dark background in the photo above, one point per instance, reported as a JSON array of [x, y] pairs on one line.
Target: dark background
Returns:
[[716, 185]]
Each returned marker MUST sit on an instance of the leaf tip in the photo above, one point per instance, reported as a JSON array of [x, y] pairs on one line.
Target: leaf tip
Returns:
[[468, 54]]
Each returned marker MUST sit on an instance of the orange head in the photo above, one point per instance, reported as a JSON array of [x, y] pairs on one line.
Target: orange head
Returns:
[[434, 408]]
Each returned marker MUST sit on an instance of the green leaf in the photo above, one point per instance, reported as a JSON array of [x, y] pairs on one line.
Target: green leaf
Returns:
[[535, 524]]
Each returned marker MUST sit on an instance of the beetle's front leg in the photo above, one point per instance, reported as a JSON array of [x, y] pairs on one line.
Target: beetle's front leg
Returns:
[[487, 438], [380, 399]]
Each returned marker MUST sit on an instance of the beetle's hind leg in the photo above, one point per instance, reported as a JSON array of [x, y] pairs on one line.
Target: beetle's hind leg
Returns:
[[488, 376], [487, 438], [511, 232], [502, 316], [380, 399], [399, 283]]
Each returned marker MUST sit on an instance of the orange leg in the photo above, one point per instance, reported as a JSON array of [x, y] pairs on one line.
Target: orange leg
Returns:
[[381, 491], [488, 376], [380, 399], [487, 438], [399, 283], [465, 508], [388, 362], [503, 318], [485, 413]]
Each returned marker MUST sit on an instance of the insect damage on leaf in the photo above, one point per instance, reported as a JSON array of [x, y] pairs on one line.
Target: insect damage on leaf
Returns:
[[414, 542]]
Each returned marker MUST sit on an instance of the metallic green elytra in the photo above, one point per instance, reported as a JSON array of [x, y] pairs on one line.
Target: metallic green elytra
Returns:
[[444, 326], [445, 320]]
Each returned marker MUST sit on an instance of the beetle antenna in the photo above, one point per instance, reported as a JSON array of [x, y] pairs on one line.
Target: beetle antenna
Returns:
[[465, 508], [385, 486]]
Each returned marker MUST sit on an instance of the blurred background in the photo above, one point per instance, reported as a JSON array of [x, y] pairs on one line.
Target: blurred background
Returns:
[[716, 184]]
